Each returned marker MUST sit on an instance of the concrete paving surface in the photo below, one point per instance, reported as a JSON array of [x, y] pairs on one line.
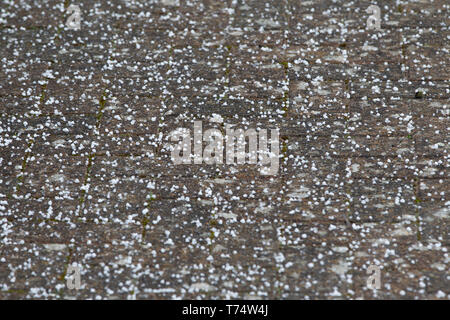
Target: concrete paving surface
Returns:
[[92, 205]]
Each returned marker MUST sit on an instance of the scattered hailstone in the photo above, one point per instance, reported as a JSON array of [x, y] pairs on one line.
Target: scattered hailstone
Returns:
[[217, 118], [48, 74]]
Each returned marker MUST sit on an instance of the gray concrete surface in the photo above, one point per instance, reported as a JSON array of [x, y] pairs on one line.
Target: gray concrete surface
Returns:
[[86, 171]]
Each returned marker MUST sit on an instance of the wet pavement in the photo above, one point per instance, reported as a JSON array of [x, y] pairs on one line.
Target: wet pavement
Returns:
[[87, 178]]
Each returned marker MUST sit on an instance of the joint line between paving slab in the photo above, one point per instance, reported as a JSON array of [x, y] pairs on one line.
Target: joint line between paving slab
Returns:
[[84, 189], [30, 144]]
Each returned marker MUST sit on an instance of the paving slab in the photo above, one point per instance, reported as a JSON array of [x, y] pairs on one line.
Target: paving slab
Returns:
[[88, 179]]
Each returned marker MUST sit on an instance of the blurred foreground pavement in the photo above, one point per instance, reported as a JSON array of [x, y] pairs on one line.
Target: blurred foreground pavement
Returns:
[[86, 174]]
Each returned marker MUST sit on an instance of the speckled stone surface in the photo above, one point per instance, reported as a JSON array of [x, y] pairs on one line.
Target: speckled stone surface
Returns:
[[86, 174]]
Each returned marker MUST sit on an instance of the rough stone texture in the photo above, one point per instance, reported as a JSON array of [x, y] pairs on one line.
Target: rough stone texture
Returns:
[[86, 175]]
